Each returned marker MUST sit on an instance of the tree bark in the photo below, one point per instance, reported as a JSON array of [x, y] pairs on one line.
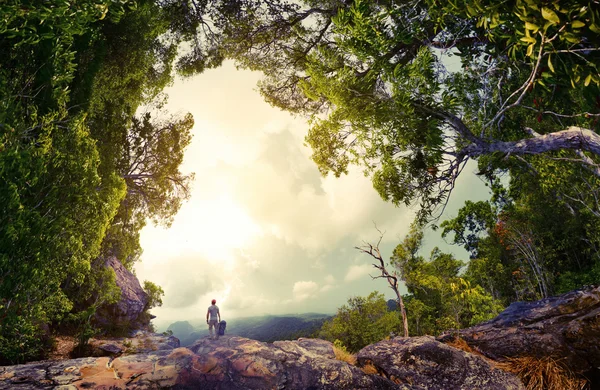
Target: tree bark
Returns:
[[573, 138], [402, 310]]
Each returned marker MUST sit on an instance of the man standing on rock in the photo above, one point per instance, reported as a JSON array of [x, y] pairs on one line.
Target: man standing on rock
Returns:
[[213, 317]]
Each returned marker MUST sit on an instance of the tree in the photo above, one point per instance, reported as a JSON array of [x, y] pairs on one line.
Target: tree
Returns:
[[363, 321], [150, 163], [439, 298], [541, 239], [155, 294], [370, 77], [391, 278], [56, 210], [72, 77]]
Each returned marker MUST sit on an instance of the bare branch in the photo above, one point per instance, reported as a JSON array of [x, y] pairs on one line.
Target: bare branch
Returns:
[[392, 280]]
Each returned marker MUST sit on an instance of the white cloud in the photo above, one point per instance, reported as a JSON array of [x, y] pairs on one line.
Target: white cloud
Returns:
[[261, 221], [356, 272], [304, 289]]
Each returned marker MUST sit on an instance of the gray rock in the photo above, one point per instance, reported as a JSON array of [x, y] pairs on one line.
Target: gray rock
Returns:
[[239, 363], [424, 363], [566, 326], [127, 311], [110, 349], [228, 363]]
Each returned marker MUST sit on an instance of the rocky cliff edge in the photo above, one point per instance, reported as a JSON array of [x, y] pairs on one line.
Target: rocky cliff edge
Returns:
[[238, 363]]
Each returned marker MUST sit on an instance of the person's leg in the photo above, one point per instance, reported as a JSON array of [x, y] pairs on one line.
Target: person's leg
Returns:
[[211, 325], [210, 328]]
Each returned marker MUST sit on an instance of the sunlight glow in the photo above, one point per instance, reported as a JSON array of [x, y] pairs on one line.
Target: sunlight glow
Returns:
[[213, 229]]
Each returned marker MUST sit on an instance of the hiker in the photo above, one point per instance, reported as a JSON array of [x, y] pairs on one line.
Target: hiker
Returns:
[[213, 317]]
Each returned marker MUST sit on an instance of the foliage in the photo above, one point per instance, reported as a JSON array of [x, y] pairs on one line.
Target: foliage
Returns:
[[155, 294], [21, 339], [84, 330], [374, 81], [363, 321], [72, 77], [440, 297]]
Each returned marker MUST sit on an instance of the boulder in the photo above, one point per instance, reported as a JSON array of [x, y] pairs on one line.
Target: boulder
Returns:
[[424, 363], [108, 349], [566, 327], [234, 362], [138, 342], [228, 363], [127, 312]]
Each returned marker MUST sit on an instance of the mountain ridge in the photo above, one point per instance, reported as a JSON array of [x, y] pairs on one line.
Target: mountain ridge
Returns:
[[266, 328]]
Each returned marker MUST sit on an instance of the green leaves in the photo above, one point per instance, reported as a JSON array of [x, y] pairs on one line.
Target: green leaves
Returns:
[[550, 15], [363, 321], [71, 78]]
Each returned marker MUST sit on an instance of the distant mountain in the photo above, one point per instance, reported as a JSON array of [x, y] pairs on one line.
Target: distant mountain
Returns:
[[183, 330], [264, 328], [392, 305]]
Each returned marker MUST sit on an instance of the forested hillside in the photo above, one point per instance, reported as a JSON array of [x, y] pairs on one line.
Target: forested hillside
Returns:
[[267, 328], [88, 154]]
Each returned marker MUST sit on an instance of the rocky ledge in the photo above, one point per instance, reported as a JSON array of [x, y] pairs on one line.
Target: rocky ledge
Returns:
[[238, 363], [567, 327]]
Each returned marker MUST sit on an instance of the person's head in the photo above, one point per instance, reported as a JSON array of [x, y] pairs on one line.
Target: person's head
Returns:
[[213, 301]]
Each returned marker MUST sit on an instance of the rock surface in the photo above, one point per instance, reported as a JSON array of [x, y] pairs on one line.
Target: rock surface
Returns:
[[126, 312], [139, 342], [424, 363], [566, 326], [238, 363]]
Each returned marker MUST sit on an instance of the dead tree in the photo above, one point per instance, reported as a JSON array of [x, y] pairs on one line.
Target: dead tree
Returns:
[[392, 278]]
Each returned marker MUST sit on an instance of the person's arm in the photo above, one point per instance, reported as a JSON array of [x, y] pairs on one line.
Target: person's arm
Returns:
[[219, 314], [207, 313]]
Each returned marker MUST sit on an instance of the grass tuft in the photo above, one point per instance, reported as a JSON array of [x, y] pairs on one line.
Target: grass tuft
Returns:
[[343, 355], [369, 369], [543, 374], [461, 344]]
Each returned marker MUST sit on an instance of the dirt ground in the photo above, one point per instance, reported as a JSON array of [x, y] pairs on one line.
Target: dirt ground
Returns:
[[64, 346]]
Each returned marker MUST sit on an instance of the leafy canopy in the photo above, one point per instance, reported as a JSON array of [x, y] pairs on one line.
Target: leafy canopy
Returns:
[[374, 79]]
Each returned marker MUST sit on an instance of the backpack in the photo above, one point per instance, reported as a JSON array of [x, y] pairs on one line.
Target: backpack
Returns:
[[222, 326]]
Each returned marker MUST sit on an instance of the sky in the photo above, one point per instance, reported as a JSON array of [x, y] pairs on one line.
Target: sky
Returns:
[[263, 232]]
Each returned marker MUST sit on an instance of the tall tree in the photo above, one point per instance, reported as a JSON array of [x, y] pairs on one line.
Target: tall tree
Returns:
[[369, 76]]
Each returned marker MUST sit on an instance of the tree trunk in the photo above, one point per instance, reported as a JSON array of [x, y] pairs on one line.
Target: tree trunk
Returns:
[[403, 312]]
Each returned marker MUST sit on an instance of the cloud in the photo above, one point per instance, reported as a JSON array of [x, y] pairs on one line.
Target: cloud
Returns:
[[356, 272], [185, 279], [304, 289], [329, 283], [263, 231], [257, 304]]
